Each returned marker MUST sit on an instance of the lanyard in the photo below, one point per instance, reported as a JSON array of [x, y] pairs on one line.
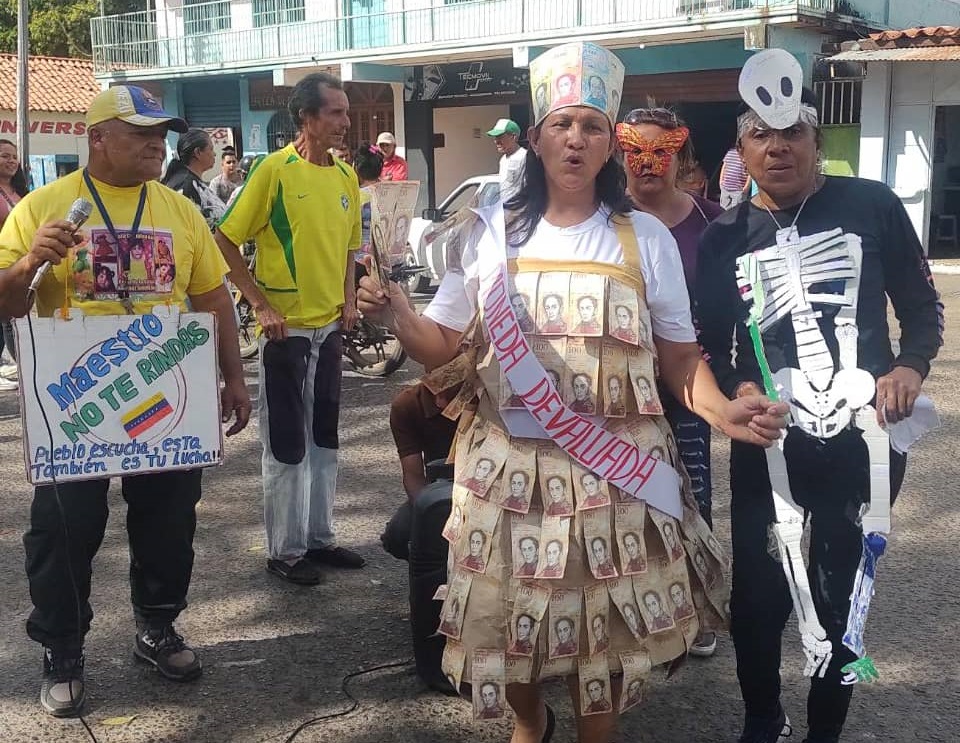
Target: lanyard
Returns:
[[134, 228]]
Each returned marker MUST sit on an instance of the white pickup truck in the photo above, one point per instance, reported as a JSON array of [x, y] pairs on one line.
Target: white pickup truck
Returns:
[[481, 190]]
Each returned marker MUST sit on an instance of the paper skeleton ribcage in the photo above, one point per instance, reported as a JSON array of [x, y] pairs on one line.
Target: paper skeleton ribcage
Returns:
[[825, 397]]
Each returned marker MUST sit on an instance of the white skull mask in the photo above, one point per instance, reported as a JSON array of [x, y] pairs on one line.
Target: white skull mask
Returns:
[[771, 83]]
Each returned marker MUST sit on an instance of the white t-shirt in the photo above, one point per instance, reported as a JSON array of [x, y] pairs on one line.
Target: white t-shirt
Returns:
[[596, 240], [511, 173]]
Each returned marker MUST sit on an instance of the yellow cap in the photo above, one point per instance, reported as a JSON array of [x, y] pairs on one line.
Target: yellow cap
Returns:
[[134, 106]]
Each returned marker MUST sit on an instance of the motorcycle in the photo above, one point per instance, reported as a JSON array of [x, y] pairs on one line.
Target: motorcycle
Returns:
[[369, 349]]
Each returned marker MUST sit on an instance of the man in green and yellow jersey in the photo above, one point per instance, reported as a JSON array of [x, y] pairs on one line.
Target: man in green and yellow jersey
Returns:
[[302, 207]]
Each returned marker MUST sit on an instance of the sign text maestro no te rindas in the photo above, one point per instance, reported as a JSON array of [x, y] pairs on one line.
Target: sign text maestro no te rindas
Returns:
[[121, 404]]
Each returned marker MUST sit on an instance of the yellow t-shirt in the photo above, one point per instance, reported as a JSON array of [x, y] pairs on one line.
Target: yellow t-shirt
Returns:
[[305, 219], [172, 232]]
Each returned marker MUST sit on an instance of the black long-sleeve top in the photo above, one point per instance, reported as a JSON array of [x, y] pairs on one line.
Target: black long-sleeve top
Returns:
[[893, 266]]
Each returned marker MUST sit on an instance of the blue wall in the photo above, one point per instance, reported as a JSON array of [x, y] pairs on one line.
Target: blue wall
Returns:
[[726, 54], [172, 103], [720, 54]]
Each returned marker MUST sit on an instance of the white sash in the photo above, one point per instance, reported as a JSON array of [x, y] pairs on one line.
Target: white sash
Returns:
[[605, 454]]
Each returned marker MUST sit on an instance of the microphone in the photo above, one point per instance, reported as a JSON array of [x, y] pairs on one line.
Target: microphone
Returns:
[[80, 212]]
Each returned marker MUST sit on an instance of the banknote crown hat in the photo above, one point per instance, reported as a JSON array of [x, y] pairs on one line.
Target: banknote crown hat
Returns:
[[576, 74]]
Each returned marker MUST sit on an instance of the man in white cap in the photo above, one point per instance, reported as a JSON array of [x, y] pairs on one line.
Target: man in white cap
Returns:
[[394, 166], [126, 129], [506, 135]]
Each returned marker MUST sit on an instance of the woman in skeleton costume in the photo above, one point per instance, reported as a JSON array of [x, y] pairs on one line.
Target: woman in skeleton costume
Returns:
[[817, 258], [569, 217]]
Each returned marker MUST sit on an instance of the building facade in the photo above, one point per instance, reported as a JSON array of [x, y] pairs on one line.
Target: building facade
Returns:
[[910, 136], [60, 91], [438, 73]]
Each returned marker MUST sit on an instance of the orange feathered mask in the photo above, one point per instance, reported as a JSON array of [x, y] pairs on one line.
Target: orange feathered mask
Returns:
[[650, 156]]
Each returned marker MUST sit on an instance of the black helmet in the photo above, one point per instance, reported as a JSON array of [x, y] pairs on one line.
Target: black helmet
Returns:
[[246, 163]]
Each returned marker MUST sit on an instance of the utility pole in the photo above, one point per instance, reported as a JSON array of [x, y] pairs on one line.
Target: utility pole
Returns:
[[23, 96]]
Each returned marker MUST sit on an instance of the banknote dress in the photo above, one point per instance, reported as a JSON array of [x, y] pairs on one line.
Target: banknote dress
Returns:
[[631, 584]]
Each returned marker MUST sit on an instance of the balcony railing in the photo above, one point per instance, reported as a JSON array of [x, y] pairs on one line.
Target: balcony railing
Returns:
[[235, 34]]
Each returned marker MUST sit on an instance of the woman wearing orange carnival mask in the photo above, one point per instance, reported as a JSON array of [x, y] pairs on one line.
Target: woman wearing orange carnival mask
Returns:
[[658, 153]]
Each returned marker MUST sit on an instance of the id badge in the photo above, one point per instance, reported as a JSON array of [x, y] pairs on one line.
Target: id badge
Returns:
[[788, 236]]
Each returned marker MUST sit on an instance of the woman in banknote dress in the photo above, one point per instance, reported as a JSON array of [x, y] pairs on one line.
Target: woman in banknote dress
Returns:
[[569, 217]]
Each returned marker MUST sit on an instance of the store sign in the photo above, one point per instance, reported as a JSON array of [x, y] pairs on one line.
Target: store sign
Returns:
[[265, 97], [486, 79], [46, 126]]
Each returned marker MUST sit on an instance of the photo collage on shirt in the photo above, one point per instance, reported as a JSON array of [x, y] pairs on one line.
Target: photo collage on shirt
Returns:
[[142, 263], [564, 315]]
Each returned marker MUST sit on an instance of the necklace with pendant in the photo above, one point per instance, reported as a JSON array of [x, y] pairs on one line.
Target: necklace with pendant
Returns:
[[790, 234]]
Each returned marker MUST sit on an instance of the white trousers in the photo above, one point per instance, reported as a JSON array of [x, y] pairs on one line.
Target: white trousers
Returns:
[[299, 411]]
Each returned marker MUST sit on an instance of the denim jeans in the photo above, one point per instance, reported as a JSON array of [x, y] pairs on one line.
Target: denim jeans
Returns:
[[693, 443]]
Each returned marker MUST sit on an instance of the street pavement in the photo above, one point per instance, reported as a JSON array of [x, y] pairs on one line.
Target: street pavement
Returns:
[[274, 654]]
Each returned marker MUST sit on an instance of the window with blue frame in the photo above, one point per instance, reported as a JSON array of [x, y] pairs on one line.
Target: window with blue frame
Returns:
[[201, 17], [277, 12]]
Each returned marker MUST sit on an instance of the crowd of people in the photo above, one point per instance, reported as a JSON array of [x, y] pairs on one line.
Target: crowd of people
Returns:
[[608, 261], [584, 178]]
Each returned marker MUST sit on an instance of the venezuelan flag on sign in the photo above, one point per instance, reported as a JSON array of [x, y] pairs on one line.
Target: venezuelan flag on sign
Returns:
[[146, 415]]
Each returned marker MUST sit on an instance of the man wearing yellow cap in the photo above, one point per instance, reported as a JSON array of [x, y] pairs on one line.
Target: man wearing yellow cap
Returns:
[[126, 128], [506, 135]]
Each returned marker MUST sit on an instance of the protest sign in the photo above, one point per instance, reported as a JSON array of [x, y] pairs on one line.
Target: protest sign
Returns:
[[123, 395]]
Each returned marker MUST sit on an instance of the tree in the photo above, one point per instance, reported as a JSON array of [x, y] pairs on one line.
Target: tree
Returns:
[[59, 28]]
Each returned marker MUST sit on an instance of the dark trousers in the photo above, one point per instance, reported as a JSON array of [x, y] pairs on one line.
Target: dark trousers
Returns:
[[829, 480], [693, 442], [161, 520], [8, 339]]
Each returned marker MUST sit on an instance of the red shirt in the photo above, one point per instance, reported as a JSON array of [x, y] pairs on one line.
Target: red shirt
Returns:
[[394, 169]]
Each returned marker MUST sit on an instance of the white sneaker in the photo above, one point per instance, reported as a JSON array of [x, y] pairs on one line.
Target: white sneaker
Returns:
[[10, 371], [705, 645], [8, 385]]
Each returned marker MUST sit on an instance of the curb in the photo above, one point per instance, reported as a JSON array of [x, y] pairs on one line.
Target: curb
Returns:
[[944, 268]]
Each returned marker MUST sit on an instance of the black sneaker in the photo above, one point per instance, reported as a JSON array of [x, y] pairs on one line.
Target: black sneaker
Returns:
[[758, 730], [301, 572], [164, 649], [336, 557], [62, 693]]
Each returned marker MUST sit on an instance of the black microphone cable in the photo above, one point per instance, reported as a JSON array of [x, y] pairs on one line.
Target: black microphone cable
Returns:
[[31, 295]]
